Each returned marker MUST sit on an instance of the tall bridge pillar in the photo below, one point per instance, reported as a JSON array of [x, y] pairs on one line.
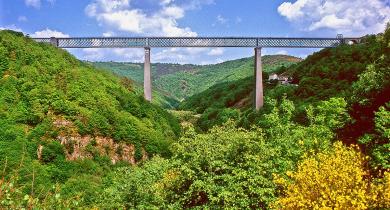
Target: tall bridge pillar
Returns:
[[259, 101], [54, 41], [147, 76]]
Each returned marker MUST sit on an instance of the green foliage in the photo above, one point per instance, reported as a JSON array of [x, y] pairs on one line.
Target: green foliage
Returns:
[[39, 193], [41, 86], [332, 113], [52, 151], [359, 74], [44, 83], [226, 167], [86, 187], [382, 121], [220, 168], [134, 188], [378, 143]]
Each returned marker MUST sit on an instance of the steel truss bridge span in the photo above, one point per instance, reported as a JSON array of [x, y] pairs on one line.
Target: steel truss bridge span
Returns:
[[158, 42]]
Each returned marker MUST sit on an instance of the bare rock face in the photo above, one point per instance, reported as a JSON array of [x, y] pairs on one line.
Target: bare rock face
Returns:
[[39, 152], [81, 147]]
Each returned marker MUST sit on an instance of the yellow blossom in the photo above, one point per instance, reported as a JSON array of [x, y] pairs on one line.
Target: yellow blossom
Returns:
[[333, 180]]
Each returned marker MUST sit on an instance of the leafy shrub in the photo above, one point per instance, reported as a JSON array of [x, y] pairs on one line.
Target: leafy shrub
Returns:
[[12, 196], [220, 169], [331, 179], [52, 151], [135, 187]]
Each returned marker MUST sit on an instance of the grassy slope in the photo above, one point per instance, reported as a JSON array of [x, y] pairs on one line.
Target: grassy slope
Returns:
[[182, 81]]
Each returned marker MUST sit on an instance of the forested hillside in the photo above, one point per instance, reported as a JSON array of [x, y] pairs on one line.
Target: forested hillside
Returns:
[[359, 73], [55, 109], [73, 136], [328, 73], [182, 81]]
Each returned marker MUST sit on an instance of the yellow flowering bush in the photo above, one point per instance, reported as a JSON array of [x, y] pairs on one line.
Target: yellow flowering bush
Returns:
[[335, 179], [381, 192]]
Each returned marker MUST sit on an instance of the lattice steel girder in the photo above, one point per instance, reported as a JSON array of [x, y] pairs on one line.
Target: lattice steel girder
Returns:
[[140, 42]]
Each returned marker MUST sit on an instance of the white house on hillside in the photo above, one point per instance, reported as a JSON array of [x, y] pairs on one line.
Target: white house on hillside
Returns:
[[281, 78], [272, 77]]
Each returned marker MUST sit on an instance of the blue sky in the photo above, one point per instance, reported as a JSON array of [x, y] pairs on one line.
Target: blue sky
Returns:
[[276, 18]]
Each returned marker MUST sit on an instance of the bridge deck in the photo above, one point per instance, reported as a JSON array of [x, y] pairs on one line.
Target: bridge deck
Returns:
[[141, 42]]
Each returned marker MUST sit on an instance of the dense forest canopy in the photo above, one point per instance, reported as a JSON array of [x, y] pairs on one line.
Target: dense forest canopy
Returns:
[[73, 136], [47, 97]]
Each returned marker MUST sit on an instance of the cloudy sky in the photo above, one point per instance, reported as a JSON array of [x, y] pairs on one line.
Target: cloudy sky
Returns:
[[270, 18]]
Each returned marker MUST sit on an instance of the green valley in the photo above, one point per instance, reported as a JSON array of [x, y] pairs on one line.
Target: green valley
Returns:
[[79, 135], [182, 81]]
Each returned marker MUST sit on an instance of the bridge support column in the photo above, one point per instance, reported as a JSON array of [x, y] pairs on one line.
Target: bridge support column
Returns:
[[147, 76], [259, 101], [54, 41]]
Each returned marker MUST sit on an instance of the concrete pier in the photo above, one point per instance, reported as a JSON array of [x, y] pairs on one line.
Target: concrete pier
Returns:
[[54, 41], [259, 101], [147, 76]]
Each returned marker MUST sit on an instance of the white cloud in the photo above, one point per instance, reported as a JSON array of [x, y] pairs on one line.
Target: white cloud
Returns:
[[108, 34], [210, 62], [135, 55], [173, 11], [195, 4], [120, 15], [216, 52], [194, 50], [356, 17], [49, 33], [106, 54], [22, 19], [292, 11], [36, 3], [33, 3], [303, 56], [93, 54], [281, 52], [331, 21], [11, 27], [219, 60], [166, 2], [178, 55], [221, 19]]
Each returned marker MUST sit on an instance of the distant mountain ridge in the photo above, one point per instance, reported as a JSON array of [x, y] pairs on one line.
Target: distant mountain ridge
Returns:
[[181, 81]]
